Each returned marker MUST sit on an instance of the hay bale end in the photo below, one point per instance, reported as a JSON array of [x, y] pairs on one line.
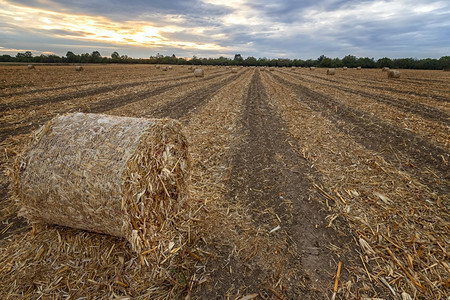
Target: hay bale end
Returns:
[[199, 73], [394, 74], [125, 177]]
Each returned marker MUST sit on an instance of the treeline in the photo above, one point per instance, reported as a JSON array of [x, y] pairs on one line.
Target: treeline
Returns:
[[349, 61]]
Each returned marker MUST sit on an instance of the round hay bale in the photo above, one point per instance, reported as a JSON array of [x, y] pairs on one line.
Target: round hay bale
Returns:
[[78, 68], [234, 70], [30, 67], [358, 68], [393, 74], [157, 67], [344, 68], [272, 69], [331, 71], [312, 68], [385, 69], [199, 73], [190, 68], [170, 67], [125, 177], [164, 68]]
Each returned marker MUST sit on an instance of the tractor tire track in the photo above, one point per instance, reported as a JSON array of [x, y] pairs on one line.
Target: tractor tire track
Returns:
[[421, 110], [384, 88], [265, 167], [374, 134], [97, 107], [183, 106], [84, 93]]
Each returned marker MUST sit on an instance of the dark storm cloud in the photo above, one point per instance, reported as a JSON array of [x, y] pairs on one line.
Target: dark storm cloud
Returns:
[[127, 10], [304, 29]]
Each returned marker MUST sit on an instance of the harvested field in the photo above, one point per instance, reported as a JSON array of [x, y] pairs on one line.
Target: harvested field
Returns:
[[293, 173]]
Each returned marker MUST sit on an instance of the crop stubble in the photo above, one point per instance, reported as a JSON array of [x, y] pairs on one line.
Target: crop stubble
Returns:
[[226, 240]]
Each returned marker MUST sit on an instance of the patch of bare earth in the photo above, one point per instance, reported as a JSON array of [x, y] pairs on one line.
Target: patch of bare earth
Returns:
[[275, 185]]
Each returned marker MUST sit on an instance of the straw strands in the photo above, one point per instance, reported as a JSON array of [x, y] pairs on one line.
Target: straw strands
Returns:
[[125, 177], [394, 74], [199, 73]]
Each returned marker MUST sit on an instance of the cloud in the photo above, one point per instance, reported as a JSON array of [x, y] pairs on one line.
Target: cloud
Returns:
[[264, 28], [96, 28]]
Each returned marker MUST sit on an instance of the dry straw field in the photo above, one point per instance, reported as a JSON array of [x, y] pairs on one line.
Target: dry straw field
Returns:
[[303, 185]]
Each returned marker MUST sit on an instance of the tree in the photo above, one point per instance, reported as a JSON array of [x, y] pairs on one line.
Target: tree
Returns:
[[319, 60], [349, 61], [115, 55], [71, 57], [384, 62], [366, 62], [326, 62], [444, 62], [238, 58], [96, 57]]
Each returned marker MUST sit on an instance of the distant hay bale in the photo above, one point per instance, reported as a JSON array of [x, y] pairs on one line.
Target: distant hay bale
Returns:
[[190, 68], [272, 69], [199, 73], [78, 68], [125, 177], [227, 67], [170, 67], [157, 66], [344, 68], [331, 71], [393, 74], [385, 69], [446, 69], [358, 68], [30, 67], [234, 70], [312, 68], [164, 68]]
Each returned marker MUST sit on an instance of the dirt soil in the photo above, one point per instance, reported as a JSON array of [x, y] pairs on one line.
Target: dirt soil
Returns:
[[294, 171], [277, 184]]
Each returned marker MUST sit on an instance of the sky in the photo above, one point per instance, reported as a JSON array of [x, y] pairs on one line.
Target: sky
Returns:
[[212, 28]]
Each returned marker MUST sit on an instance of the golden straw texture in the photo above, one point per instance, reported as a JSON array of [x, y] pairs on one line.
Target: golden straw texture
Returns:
[[121, 176]]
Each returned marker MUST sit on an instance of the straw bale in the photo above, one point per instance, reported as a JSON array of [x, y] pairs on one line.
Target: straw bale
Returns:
[[358, 68], [312, 68], [344, 68], [271, 69], [385, 69], [30, 67], [234, 70], [164, 68], [190, 68], [199, 73], [125, 177], [78, 68], [157, 66], [393, 74], [170, 67], [331, 71]]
